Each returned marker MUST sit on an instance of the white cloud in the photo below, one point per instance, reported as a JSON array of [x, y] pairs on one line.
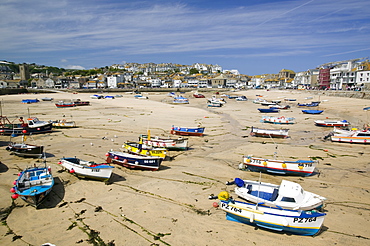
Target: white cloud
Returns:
[[74, 67]]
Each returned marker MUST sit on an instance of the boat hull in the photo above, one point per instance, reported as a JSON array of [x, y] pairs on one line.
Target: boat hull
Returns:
[[297, 168], [26, 150], [350, 139], [151, 163], [268, 110], [34, 184], [327, 123], [290, 221], [18, 129], [85, 169], [312, 111], [278, 120], [182, 131], [273, 133]]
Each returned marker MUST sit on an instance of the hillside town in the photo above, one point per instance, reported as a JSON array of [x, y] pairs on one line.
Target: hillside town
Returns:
[[351, 74]]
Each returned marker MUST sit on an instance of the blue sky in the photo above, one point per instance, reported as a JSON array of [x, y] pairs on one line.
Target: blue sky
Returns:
[[254, 37]]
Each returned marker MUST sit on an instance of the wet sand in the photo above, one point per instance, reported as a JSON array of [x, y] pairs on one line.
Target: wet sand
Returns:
[[171, 206]]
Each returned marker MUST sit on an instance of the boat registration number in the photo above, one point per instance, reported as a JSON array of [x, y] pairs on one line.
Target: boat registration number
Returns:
[[305, 165], [95, 170], [256, 161], [304, 220], [149, 161], [231, 208]]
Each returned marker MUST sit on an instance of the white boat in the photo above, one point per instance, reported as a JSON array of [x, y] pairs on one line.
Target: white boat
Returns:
[[304, 223], [273, 133], [329, 123], [299, 167], [168, 143], [287, 195], [278, 120], [87, 169], [259, 100], [344, 136], [241, 98]]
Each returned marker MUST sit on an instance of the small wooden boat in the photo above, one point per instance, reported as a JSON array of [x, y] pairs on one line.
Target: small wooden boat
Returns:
[[87, 169], [269, 110], [361, 137], [299, 167], [132, 161], [95, 96], [304, 223], [186, 131], [312, 111], [241, 98], [287, 195], [63, 124], [62, 104], [330, 123], [26, 150], [273, 133], [28, 101], [312, 104], [47, 99], [198, 95], [278, 120], [33, 185], [142, 149], [281, 106], [180, 100], [31, 126], [168, 143], [78, 102]]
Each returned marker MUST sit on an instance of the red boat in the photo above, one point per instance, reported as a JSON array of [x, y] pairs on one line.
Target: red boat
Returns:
[[197, 95], [62, 104]]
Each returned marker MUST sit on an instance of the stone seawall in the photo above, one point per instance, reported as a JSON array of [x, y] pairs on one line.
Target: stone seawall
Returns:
[[349, 94]]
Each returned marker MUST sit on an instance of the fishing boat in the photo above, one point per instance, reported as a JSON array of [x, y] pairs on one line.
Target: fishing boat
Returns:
[[168, 143], [78, 102], [198, 95], [353, 136], [312, 104], [241, 98], [278, 120], [187, 131], [269, 110], [63, 124], [87, 169], [136, 161], [312, 111], [180, 100], [330, 123], [299, 222], [31, 126], [287, 195], [281, 106], [143, 149], [215, 100], [266, 103], [25, 150], [273, 133], [33, 185], [214, 104], [28, 101], [259, 100], [62, 104], [299, 167]]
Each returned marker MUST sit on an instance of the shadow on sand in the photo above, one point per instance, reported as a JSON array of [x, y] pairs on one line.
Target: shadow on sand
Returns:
[[55, 196]]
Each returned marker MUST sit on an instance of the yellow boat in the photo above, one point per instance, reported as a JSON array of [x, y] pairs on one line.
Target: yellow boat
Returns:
[[139, 148]]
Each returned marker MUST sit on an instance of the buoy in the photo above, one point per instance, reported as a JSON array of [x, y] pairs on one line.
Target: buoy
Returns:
[[24, 131], [19, 174], [326, 150], [14, 182], [116, 157], [125, 161], [15, 196], [248, 160], [300, 167], [251, 217], [72, 171], [264, 163], [283, 165], [223, 195], [12, 190], [39, 128], [59, 162], [215, 204], [107, 154]]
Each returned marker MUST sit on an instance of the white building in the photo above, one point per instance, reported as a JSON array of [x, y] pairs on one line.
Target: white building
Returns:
[[113, 81], [363, 79]]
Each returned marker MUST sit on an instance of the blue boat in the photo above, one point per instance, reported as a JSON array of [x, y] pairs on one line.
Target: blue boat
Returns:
[[33, 184], [180, 100], [307, 111], [186, 131], [268, 110], [312, 104], [28, 101]]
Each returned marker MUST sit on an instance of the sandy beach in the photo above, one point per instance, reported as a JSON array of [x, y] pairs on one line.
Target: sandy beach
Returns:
[[171, 206]]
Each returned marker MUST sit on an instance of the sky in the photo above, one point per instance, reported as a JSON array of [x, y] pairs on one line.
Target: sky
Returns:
[[252, 36]]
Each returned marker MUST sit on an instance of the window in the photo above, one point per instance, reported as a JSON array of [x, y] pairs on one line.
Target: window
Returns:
[[288, 199]]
